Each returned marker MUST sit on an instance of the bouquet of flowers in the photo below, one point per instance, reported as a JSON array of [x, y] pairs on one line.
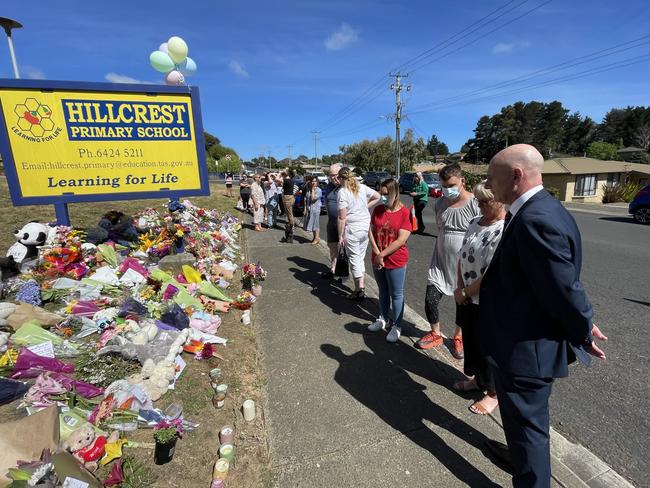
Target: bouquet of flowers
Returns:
[[244, 300], [252, 274]]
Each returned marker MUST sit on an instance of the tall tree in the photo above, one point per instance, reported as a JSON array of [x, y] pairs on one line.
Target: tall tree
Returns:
[[435, 147]]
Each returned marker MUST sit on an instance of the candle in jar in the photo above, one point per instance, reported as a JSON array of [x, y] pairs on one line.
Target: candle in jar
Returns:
[[215, 374], [222, 388], [227, 434], [249, 410], [219, 400], [227, 451], [216, 483], [220, 470]]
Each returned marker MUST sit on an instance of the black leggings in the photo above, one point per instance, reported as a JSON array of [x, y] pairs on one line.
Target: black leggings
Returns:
[[245, 197], [431, 303]]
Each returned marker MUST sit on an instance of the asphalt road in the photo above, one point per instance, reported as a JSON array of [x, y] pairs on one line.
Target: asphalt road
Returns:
[[605, 407]]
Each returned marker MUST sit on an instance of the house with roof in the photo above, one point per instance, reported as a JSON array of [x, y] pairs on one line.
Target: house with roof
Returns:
[[628, 153], [580, 179]]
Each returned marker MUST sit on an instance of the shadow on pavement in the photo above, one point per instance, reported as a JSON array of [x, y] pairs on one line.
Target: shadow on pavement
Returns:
[[625, 220], [379, 380], [331, 293], [640, 302]]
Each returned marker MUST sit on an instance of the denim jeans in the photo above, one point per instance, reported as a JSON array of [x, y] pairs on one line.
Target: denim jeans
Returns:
[[272, 205], [391, 291]]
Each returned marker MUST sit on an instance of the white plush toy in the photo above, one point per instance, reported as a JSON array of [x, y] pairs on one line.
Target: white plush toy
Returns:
[[155, 378], [31, 236]]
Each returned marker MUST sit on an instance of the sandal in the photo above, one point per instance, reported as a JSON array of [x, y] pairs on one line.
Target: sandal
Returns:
[[478, 407], [465, 385]]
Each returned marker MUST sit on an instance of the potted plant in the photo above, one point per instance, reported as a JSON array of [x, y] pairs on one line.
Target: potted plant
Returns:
[[166, 433], [252, 275]]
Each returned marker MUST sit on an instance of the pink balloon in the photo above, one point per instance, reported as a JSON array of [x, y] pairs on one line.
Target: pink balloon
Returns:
[[163, 48], [174, 77]]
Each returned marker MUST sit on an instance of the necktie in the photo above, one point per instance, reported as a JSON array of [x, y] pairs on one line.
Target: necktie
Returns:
[[507, 219]]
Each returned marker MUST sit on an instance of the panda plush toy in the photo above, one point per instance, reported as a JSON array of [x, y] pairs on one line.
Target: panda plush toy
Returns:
[[31, 236]]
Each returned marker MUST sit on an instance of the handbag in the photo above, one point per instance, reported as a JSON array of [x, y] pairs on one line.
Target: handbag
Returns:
[[342, 268], [414, 220]]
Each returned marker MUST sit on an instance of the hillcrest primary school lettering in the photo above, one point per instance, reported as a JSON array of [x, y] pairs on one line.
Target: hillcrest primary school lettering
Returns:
[[65, 142]]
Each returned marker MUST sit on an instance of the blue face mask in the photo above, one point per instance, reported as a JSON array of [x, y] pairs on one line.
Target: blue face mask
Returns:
[[384, 200], [452, 193]]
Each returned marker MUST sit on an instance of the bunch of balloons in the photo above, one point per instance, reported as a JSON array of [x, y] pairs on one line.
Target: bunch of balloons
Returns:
[[171, 58]]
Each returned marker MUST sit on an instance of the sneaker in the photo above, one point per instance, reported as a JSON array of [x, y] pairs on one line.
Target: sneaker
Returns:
[[429, 341], [377, 325], [457, 347], [394, 334]]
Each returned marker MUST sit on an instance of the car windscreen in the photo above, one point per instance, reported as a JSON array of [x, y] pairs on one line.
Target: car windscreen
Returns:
[[431, 179]]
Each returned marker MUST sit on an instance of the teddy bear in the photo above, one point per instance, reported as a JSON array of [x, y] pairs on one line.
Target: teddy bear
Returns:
[[32, 235], [154, 379], [87, 446]]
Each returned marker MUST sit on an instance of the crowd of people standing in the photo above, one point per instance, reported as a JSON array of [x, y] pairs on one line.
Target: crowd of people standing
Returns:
[[510, 256]]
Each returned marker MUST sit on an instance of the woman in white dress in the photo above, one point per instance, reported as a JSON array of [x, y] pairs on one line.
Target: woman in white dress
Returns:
[[257, 195]]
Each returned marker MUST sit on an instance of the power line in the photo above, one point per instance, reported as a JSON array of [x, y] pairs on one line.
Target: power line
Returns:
[[544, 71], [485, 34], [441, 45], [375, 88], [592, 71]]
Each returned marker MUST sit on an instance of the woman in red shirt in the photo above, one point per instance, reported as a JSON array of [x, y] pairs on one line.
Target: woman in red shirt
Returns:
[[390, 228]]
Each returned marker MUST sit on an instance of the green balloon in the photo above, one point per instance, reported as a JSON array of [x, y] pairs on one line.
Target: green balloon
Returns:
[[161, 61]]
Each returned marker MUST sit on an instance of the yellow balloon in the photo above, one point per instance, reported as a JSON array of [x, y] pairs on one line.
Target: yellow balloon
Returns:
[[177, 49]]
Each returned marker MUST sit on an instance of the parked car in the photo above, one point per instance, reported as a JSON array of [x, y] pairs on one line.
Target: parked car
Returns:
[[298, 205], [640, 206], [374, 179], [407, 182]]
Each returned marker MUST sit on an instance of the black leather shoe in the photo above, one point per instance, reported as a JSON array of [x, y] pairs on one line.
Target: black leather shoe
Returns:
[[500, 451]]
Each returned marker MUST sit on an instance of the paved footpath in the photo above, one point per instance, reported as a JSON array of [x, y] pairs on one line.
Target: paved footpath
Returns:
[[346, 409]]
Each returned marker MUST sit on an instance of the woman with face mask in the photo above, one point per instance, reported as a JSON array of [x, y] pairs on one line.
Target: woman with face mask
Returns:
[[390, 228], [453, 212]]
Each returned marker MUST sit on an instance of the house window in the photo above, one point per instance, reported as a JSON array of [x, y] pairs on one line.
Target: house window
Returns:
[[585, 186], [613, 179]]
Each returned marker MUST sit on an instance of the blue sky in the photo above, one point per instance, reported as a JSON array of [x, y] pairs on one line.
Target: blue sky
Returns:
[[270, 72]]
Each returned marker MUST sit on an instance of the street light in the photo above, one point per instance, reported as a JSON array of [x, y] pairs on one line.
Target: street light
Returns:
[[7, 25]]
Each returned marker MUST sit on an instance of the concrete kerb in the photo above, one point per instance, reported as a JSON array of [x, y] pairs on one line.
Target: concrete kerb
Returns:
[[573, 465]]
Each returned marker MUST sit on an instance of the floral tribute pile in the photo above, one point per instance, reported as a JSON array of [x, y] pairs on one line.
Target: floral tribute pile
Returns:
[[96, 327]]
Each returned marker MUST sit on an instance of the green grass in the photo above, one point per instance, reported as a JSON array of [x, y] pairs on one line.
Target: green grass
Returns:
[[85, 215]]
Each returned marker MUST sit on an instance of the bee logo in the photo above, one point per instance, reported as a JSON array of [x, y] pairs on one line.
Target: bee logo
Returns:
[[35, 120]]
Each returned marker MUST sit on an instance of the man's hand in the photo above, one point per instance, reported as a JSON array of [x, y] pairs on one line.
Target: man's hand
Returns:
[[593, 349]]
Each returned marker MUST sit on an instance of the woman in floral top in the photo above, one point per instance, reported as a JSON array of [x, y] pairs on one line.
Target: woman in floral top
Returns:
[[390, 228], [480, 242]]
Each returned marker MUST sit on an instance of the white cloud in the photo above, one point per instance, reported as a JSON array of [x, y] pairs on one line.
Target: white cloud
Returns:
[[238, 68], [117, 78], [509, 47], [32, 73], [503, 48], [342, 38]]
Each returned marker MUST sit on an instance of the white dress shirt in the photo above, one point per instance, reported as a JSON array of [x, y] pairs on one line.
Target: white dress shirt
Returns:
[[519, 202]]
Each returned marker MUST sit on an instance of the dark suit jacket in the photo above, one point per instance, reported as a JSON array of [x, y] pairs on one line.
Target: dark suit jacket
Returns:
[[535, 315]]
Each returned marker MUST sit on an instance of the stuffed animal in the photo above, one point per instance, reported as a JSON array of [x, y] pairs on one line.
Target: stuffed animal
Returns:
[[87, 446], [31, 236], [8, 268], [155, 378]]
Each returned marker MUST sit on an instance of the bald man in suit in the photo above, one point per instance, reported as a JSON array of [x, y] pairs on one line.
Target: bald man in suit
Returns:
[[536, 317]]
